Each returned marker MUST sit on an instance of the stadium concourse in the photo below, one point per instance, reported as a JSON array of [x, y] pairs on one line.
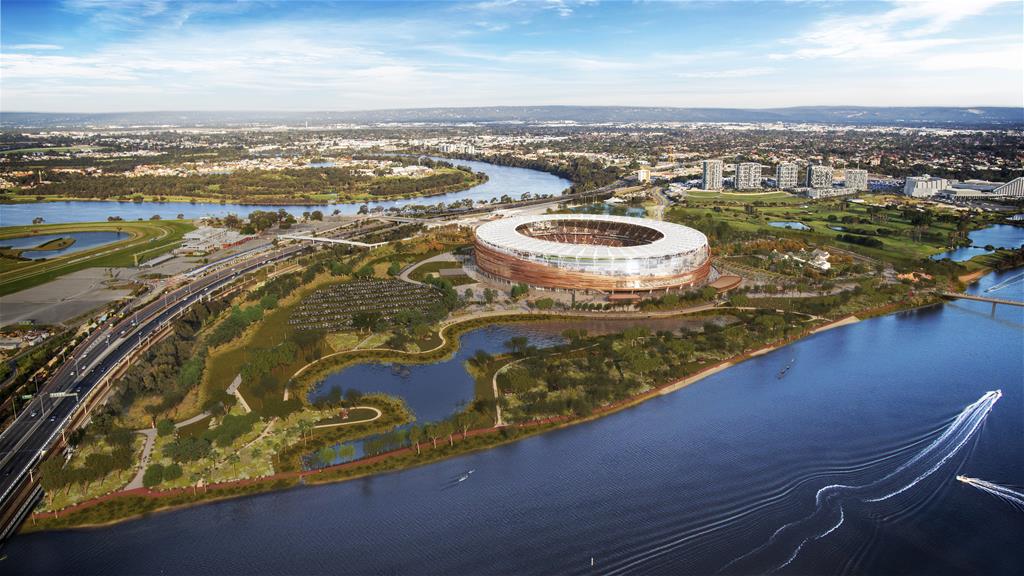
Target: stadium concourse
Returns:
[[593, 252]]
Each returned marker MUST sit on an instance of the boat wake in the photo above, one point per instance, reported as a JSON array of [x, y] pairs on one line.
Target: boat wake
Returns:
[[1008, 495], [783, 547]]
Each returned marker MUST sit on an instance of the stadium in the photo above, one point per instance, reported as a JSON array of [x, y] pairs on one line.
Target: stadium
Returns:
[[593, 252]]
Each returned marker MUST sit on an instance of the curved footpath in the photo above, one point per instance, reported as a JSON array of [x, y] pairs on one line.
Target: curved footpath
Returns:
[[559, 421], [497, 314]]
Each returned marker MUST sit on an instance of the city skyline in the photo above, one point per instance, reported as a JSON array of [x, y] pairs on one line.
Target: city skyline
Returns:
[[140, 55]]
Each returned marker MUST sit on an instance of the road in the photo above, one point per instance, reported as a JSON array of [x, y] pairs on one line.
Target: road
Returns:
[[42, 421]]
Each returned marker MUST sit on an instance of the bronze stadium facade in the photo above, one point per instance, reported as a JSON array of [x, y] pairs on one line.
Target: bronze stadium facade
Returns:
[[593, 252]]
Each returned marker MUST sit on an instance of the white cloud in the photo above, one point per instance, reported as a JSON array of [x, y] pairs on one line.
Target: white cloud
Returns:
[[34, 47], [730, 73], [901, 32], [417, 61]]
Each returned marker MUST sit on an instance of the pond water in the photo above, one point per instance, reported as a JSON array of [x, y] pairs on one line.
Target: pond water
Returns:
[[790, 225], [435, 391], [502, 180], [998, 236], [83, 241], [693, 482]]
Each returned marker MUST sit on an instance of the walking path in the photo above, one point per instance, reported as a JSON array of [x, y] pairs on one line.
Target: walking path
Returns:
[[147, 448], [336, 424], [631, 315], [233, 389], [404, 274]]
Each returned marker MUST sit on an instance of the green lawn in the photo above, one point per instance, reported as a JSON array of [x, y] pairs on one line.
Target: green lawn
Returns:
[[898, 246]]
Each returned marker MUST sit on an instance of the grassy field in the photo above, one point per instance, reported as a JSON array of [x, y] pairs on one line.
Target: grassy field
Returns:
[[148, 239], [897, 246], [432, 268]]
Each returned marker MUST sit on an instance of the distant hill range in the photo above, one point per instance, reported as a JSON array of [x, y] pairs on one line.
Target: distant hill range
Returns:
[[849, 115]]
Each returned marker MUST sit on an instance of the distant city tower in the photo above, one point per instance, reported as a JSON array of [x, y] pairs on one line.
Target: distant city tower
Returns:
[[712, 179]]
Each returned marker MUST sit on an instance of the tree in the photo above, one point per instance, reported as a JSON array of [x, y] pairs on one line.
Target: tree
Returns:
[[433, 432], [304, 429], [165, 427], [316, 215], [463, 421], [97, 466], [544, 303], [394, 269], [446, 429], [574, 335], [517, 345], [38, 220], [153, 475], [123, 459], [467, 295], [480, 358], [326, 455], [489, 295], [415, 436], [52, 476], [194, 479], [172, 471], [234, 459], [519, 290]]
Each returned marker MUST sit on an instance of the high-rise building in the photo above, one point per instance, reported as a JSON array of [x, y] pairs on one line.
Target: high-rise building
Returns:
[[712, 179], [748, 176], [786, 175], [856, 179], [643, 175], [819, 176]]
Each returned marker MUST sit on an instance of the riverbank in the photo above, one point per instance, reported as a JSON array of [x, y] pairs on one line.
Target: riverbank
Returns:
[[120, 506], [312, 201]]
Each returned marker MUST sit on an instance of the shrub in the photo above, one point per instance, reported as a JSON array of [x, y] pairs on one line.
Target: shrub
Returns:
[[154, 475], [165, 427]]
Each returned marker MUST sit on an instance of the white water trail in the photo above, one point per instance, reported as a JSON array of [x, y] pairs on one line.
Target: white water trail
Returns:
[[1013, 497], [829, 499]]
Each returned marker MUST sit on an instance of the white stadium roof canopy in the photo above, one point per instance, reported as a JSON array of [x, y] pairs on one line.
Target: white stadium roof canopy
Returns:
[[676, 239]]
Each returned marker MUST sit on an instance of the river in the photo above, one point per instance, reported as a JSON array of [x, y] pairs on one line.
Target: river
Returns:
[[687, 483], [501, 180], [998, 236]]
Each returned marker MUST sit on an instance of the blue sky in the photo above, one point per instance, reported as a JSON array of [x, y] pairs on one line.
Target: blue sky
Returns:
[[134, 55]]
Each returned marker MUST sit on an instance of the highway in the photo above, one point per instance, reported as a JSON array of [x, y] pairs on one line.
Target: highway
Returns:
[[24, 443]]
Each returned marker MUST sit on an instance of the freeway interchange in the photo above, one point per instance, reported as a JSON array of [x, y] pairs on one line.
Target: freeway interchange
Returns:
[[24, 444]]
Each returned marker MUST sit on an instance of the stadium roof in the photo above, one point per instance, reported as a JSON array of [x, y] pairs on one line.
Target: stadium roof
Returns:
[[676, 239]]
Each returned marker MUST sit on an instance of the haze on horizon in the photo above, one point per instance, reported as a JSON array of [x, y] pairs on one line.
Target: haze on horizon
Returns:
[[144, 55]]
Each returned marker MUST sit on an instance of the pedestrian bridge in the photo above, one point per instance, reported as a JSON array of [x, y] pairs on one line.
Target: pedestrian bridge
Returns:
[[994, 301], [330, 240]]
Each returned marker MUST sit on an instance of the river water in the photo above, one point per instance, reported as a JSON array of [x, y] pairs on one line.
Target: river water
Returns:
[[693, 482], [998, 236], [83, 241], [501, 180]]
